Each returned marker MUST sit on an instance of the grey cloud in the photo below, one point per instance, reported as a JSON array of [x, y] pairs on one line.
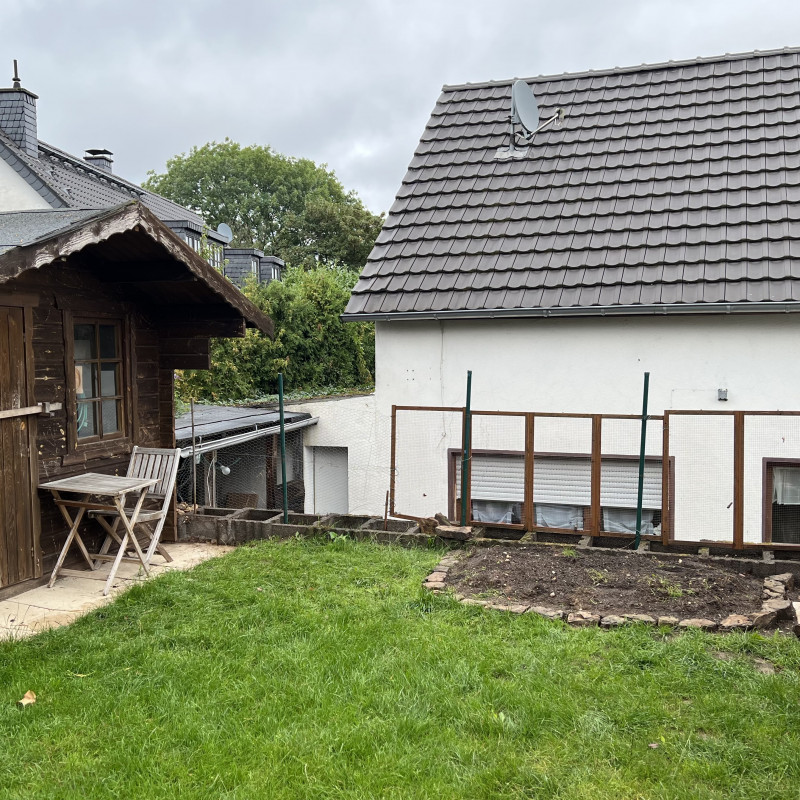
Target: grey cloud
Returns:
[[347, 83]]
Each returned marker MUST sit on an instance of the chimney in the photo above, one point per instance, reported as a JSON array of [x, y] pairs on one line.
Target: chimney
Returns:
[[100, 159], [18, 116]]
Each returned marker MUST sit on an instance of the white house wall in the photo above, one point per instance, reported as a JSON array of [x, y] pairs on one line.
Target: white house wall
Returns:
[[578, 366], [357, 424], [592, 364], [16, 194]]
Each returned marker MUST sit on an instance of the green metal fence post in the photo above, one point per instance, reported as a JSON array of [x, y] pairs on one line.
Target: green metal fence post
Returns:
[[640, 494], [466, 447], [283, 451]]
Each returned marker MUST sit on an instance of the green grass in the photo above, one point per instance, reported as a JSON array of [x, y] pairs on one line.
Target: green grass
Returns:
[[323, 670]]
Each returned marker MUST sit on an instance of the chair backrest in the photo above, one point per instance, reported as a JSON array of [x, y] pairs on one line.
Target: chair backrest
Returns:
[[153, 462]]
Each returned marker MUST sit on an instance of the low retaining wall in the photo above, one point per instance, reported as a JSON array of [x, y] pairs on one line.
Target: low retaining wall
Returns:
[[239, 526]]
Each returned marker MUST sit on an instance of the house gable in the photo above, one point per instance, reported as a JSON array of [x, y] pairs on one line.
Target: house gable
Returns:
[[15, 192], [666, 188]]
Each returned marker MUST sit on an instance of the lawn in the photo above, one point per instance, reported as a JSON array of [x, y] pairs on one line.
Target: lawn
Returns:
[[323, 670]]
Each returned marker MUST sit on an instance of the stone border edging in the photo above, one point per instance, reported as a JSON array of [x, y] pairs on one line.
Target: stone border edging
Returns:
[[775, 606]]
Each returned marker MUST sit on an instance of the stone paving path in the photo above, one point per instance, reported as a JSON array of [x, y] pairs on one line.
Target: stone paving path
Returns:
[[42, 608]]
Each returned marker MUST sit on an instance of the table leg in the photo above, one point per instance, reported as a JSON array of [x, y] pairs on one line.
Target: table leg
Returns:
[[73, 535]]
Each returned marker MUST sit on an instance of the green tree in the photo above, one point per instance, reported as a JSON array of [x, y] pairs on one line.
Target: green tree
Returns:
[[312, 347], [288, 207]]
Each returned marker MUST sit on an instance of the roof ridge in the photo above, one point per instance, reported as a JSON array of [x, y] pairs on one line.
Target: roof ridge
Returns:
[[624, 70], [90, 168]]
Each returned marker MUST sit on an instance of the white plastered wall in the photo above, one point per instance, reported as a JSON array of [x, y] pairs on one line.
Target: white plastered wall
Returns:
[[16, 194], [589, 365]]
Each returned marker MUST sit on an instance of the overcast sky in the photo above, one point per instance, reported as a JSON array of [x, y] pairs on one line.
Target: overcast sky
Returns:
[[350, 83]]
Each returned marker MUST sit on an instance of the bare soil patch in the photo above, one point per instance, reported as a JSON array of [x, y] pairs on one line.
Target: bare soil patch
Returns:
[[610, 582]]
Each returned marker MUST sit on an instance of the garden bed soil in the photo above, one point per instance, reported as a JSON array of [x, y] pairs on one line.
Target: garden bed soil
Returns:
[[609, 582]]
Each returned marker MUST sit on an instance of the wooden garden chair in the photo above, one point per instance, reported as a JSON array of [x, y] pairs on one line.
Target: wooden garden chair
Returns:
[[146, 463]]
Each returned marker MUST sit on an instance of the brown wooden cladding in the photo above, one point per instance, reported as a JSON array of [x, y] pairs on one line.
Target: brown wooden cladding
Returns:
[[64, 292]]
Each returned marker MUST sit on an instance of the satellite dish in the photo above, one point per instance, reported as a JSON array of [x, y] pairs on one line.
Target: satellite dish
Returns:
[[525, 114], [224, 230], [524, 108]]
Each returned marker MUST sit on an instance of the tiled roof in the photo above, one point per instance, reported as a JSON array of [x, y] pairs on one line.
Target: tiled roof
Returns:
[[670, 187]]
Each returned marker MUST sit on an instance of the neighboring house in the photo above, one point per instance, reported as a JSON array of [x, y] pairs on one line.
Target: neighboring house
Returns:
[[657, 227], [237, 457], [36, 175], [100, 301]]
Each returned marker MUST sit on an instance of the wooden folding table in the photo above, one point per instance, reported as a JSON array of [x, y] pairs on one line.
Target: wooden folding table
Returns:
[[95, 491]]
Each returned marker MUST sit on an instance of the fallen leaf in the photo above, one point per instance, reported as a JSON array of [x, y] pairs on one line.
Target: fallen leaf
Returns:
[[28, 700], [653, 745]]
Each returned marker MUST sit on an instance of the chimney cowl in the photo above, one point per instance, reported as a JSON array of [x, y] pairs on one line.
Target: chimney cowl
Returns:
[[99, 158]]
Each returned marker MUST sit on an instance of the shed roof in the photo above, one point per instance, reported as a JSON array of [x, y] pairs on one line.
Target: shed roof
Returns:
[[215, 420], [667, 188], [21, 228], [129, 244]]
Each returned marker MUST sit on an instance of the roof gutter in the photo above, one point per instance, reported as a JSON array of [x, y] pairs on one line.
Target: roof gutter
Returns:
[[239, 438], [792, 307]]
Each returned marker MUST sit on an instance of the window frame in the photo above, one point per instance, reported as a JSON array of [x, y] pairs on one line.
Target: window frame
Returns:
[[767, 463], [118, 441]]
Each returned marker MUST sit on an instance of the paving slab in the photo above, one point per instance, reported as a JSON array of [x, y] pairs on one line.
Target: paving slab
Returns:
[[71, 597]]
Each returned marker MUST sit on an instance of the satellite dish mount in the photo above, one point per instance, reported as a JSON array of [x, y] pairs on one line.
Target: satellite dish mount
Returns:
[[524, 120]]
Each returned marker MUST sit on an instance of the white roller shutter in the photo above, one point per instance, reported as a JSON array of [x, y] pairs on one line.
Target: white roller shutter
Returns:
[[495, 478], [619, 484], [562, 481]]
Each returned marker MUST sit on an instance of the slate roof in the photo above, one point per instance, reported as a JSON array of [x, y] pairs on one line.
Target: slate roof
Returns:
[[667, 188], [72, 182]]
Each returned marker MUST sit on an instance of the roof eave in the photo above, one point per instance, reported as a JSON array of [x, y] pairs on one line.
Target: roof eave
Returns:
[[661, 309], [125, 217]]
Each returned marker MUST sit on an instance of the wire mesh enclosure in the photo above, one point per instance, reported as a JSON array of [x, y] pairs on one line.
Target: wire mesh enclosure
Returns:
[[619, 476], [426, 443], [702, 446], [728, 479], [244, 475], [562, 473], [771, 475]]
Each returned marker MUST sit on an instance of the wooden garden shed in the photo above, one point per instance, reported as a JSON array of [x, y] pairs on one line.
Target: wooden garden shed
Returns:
[[97, 310]]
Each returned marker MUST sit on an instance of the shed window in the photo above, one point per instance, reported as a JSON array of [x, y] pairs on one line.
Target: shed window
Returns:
[[97, 351]]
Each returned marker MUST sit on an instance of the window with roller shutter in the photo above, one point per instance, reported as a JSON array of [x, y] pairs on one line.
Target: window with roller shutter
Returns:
[[562, 490]]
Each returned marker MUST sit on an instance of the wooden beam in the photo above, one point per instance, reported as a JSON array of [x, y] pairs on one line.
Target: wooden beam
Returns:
[[392, 461], [193, 345], [597, 432], [184, 361], [666, 505], [190, 328], [18, 299], [185, 353], [528, 515], [738, 480]]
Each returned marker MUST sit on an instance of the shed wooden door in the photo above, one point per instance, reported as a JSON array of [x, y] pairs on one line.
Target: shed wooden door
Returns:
[[18, 560]]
